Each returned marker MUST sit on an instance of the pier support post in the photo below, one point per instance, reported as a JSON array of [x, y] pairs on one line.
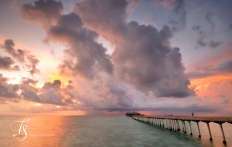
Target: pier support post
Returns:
[[183, 126], [170, 125], [178, 126], [190, 128], [174, 125], [185, 129], [223, 135], [210, 135], [165, 124], [198, 130]]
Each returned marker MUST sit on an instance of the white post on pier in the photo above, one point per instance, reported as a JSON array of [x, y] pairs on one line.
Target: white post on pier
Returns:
[[170, 124], [165, 123], [185, 129], [190, 128], [178, 126], [174, 125], [198, 129], [223, 135], [210, 135], [182, 125]]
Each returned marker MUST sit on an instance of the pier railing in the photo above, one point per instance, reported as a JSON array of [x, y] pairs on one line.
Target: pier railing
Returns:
[[172, 122]]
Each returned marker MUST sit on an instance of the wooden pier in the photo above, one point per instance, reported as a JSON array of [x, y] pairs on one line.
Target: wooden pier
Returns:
[[172, 122]]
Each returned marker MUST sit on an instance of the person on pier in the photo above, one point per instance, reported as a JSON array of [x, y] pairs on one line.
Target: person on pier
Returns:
[[192, 114]]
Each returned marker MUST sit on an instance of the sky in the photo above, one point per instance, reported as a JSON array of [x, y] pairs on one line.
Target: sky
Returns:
[[108, 57]]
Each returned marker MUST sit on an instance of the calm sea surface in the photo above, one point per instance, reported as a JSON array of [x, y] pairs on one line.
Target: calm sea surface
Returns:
[[102, 131]]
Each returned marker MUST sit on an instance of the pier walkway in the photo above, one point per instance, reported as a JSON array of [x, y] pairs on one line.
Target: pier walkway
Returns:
[[172, 122]]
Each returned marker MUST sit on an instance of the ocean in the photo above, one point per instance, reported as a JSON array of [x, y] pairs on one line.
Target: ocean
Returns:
[[102, 131]]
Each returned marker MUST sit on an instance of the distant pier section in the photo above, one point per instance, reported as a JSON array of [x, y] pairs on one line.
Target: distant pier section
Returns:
[[132, 114], [173, 122]]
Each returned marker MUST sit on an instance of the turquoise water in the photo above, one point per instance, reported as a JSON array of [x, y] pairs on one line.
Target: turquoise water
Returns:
[[104, 131]]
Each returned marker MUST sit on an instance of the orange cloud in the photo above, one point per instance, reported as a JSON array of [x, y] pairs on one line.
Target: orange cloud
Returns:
[[214, 88], [211, 79]]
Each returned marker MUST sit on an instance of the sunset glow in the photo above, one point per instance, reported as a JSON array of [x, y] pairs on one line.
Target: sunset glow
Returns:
[[84, 58]]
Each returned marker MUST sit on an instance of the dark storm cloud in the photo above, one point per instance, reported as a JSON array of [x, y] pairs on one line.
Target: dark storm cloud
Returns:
[[189, 108], [106, 19], [142, 58], [222, 68], [28, 60], [42, 12], [90, 56], [7, 63], [142, 55], [87, 56]]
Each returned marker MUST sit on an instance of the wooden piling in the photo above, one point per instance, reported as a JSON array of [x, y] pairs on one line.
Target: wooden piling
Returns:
[[210, 135], [178, 126], [190, 128], [199, 132], [223, 135]]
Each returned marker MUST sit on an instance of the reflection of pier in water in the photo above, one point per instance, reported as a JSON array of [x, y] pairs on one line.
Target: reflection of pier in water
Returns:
[[172, 122]]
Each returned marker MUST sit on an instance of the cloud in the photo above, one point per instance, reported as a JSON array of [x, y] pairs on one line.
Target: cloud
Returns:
[[178, 7], [6, 63], [42, 12], [142, 56], [8, 90], [201, 39], [224, 67], [50, 93], [201, 43], [143, 61], [219, 93], [86, 56], [213, 44], [90, 56], [9, 48], [29, 61], [188, 108], [208, 18], [114, 19]]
